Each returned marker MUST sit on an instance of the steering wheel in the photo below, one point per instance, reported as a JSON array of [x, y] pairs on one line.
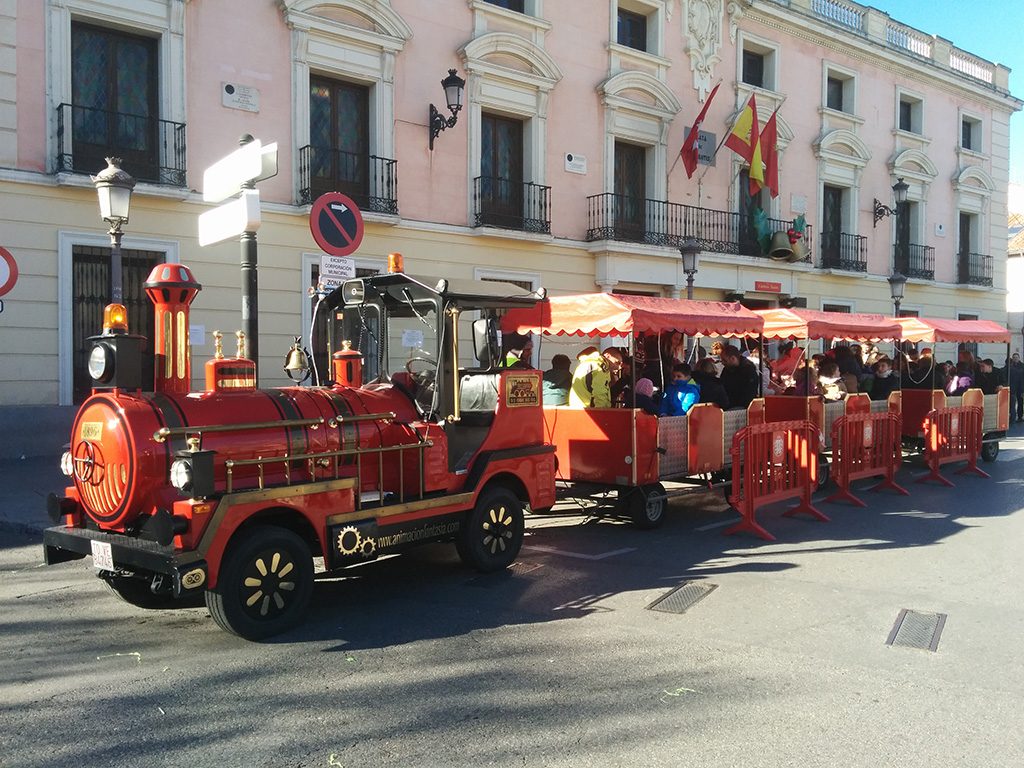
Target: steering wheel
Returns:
[[425, 381]]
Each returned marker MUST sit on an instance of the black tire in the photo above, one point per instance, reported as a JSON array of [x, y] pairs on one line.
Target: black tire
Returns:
[[492, 534], [265, 583], [135, 591], [824, 472], [646, 506], [989, 451]]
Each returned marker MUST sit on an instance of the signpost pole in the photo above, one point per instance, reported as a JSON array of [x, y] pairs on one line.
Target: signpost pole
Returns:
[[250, 285]]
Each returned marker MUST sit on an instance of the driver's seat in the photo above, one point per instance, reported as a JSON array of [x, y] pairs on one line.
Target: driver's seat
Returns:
[[478, 399]]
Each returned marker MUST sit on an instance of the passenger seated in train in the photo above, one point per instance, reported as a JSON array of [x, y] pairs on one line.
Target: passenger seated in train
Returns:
[[833, 387], [557, 381], [739, 377], [590, 381], [805, 380], [987, 379], [645, 396], [518, 350], [681, 393], [884, 383], [711, 389]]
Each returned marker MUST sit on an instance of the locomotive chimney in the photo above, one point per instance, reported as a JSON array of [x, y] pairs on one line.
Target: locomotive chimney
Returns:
[[171, 288]]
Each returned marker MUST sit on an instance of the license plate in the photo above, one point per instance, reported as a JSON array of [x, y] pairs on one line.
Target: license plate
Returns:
[[102, 557]]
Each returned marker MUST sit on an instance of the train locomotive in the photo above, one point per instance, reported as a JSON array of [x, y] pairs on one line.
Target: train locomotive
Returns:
[[233, 490]]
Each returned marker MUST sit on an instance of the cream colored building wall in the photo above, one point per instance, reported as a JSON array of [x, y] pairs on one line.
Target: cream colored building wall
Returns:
[[560, 75]]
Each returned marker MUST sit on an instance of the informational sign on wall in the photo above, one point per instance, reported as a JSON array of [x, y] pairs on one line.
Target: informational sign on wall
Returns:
[[244, 97]]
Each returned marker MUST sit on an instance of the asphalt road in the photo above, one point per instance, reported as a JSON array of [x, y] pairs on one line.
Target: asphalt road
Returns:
[[416, 661]]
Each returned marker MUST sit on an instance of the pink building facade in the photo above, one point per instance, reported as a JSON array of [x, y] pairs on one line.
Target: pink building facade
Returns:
[[561, 169]]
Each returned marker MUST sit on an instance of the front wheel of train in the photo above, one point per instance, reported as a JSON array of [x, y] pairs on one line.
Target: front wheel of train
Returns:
[[136, 591], [989, 451], [265, 583], [492, 534], [646, 505], [824, 472]]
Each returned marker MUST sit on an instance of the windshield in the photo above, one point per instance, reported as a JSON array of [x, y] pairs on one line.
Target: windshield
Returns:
[[361, 326], [412, 336]]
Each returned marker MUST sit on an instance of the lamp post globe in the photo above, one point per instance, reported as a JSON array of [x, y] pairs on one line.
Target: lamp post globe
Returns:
[[689, 250], [114, 189]]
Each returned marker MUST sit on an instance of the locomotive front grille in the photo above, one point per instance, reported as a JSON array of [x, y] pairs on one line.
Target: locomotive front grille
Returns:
[[105, 490]]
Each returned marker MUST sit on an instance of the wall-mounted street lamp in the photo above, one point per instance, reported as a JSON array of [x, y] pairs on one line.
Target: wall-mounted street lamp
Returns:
[[897, 285], [114, 188], [690, 251], [453, 90], [899, 190]]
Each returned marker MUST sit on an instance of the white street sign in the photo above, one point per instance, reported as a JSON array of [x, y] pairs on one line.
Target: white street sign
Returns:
[[231, 219], [253, 162], [334, 270]]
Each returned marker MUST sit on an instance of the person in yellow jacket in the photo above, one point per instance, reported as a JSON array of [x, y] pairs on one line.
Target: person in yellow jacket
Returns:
[[591, 383]]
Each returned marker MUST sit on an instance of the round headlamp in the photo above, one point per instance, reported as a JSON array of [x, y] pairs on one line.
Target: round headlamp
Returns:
[[67, 464], [181, 475], [101, 363]]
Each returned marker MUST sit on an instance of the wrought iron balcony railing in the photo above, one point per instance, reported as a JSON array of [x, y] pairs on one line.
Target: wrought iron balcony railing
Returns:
[[915, 260], [151, 149], [975, 269], [659, 222], [511, 204], [370, 181], [840, 250]]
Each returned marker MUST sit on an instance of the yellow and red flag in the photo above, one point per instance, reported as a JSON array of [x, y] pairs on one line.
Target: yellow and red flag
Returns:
[[769, 144], [689, 151], [745, 141]]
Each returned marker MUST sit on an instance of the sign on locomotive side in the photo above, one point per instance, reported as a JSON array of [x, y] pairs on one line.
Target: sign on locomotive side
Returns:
[[336, 224]]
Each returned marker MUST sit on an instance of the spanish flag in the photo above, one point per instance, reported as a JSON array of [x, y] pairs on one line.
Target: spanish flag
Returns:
[[744, 140]]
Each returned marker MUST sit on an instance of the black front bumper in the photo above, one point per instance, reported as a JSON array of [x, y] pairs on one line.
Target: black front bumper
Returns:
[[187, 570]]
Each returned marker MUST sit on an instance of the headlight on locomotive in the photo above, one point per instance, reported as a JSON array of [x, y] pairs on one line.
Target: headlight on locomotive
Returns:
[[181, 475], [67, 464], [101, 363]]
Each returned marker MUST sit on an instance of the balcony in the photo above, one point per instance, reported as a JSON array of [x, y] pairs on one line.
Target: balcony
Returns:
[[658, 222], [915, 260], [974, 269], [508, 204], [151, 149], [369, 180], [840, 250]]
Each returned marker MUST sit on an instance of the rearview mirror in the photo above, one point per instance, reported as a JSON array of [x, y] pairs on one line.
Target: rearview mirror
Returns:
[[485, 341]]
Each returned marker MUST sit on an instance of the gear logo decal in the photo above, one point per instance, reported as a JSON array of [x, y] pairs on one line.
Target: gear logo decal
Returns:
[[352, 543]]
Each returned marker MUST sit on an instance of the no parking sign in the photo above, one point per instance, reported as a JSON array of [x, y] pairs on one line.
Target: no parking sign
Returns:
[[8, 273]]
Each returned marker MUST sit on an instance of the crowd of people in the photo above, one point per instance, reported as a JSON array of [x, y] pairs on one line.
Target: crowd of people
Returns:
[[667, 379]]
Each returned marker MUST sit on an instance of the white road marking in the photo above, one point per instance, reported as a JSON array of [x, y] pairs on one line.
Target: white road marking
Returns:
[[712, 526], [579, 556]]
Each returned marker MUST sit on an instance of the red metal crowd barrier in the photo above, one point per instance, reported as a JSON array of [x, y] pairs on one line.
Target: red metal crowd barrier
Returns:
[[865, 445], [952, 434], [772, 462]]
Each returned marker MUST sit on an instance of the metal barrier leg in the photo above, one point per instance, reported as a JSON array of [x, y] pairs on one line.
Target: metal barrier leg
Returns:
[[749, 525], [934, 474], [889, 483], [805, 507], [972, 467], [843, 494]]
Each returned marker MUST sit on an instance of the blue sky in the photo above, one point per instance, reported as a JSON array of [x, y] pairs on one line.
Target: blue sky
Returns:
[[986, 28]]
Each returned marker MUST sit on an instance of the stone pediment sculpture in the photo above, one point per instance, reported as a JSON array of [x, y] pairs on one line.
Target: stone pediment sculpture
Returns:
[[702, 37]]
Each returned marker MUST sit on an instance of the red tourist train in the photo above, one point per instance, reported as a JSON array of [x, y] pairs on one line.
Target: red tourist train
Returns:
[[233, 490]]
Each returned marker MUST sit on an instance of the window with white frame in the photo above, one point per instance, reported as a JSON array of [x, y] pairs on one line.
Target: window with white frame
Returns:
[[758, 63], [116, 81], [910, 113], [507, 126], [639, 25], [970, 133], [349, 49], [840, 90]]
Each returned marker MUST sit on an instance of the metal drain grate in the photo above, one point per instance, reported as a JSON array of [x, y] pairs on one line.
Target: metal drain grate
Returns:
[[519, 568], [683, 597], [917, 629]]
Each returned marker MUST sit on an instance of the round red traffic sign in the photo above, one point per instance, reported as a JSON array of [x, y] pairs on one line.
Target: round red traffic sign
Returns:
[[8, 271], [336, 224]]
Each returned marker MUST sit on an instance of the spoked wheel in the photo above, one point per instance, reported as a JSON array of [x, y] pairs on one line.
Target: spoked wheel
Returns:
[[645, 505], [265, 583], [989, 451], [492, 535], [135, 591]]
